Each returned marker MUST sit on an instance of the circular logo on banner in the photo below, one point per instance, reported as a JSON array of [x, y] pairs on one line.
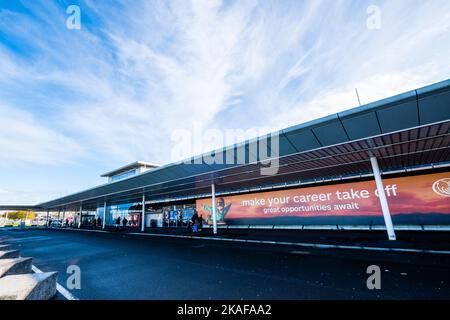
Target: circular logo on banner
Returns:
[[442, 187]]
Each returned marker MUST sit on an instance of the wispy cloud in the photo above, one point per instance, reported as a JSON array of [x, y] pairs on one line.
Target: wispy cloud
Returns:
[[25, 140]]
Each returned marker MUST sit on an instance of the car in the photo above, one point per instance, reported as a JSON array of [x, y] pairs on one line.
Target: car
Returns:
[[39, 221], [56, 224]]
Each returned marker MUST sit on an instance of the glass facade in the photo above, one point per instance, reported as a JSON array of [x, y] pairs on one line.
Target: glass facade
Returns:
[[123, 175], [88, 217], [178, 215], [127, 214]]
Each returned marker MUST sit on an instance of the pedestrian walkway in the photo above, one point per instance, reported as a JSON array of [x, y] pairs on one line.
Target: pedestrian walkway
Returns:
[[407, 241]]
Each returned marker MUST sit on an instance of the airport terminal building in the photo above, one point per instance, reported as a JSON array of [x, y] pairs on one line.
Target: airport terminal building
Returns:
[[383, 165]]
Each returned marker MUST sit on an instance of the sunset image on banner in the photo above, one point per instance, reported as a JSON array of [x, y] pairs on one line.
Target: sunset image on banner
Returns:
[[420, 199]]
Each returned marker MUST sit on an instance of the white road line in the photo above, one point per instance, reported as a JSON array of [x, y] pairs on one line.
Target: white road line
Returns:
[[66, 294], [103, 231], [299, 244], [300, 252], [24, 239]]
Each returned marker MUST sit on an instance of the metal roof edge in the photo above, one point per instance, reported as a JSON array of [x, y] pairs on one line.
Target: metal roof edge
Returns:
[[437, 87], [372, 106], [440, 86]]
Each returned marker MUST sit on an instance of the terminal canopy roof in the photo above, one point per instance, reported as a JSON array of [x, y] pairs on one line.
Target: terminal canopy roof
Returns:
[[410, 130]]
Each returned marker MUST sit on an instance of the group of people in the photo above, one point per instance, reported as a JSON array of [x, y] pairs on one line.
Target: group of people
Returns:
[[196, 222], [97, 222], [92, 223], [121, 222]]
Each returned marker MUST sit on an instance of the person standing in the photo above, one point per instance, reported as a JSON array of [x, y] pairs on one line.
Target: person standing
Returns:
[[200, 223], [194, 220], [179, 219], [118, 223]]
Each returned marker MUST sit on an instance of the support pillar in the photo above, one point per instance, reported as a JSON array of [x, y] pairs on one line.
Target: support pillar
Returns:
[[383, 199], [63, 215], [213, 196], [104, 216], [81, 214], [143, 213], [46, 222]]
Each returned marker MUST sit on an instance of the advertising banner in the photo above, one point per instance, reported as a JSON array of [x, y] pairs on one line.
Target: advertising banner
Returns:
[[422, 199]]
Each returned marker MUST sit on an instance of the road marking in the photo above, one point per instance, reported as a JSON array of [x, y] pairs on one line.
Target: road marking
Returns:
[[35, 238], [300, 252], [103, 231], [66, 294], [299, 244]]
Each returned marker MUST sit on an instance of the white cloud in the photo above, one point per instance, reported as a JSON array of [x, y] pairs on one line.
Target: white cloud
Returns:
[[253, 63], [24, 139], [19, 197], [189, 83], [410, 51]]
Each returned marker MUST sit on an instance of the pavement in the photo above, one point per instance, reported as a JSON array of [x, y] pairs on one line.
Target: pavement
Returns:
[[121, 265], [419, 240]]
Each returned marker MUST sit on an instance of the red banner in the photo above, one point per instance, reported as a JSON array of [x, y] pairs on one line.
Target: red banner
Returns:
[[413, 195]]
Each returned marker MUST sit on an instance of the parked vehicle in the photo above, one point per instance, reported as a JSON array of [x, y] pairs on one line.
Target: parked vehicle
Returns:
[[56, 224], [39, 221]]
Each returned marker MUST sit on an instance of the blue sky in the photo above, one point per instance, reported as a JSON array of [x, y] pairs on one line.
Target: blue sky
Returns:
[[77, 103]]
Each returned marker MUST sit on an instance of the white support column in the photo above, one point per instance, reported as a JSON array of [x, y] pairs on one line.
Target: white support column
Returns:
[[81, 213], [143, 213], [213, 194], [176, 221], [383, 199], [104, 216]]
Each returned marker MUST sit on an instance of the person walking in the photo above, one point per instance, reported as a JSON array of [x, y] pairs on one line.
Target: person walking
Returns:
[[194, 220], [200, 223], [118, 223], [189, 224], [179, 219]]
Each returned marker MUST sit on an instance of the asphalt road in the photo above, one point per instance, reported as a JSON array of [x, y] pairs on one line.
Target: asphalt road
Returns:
[[121, 266]]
